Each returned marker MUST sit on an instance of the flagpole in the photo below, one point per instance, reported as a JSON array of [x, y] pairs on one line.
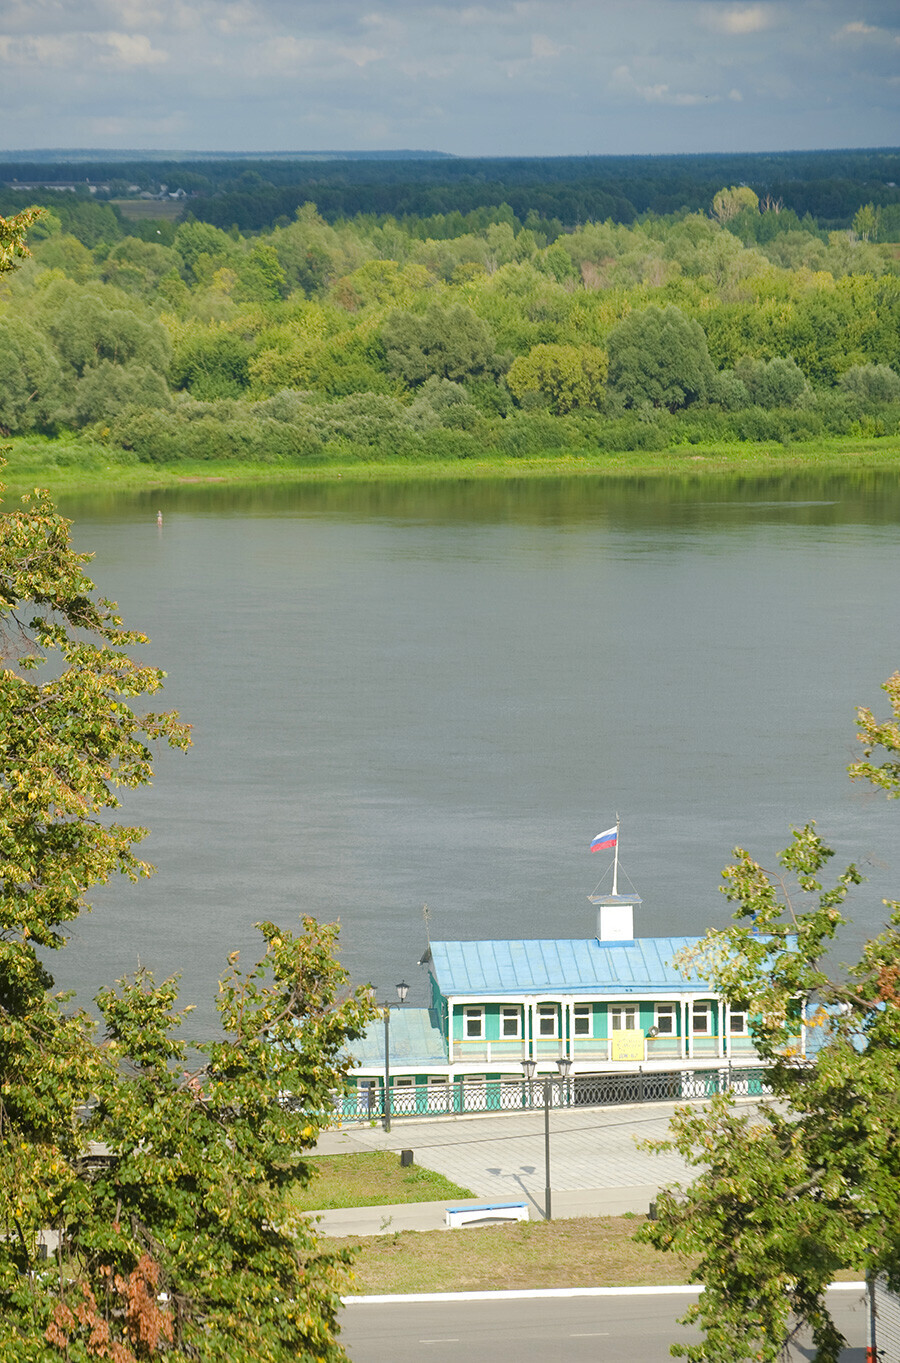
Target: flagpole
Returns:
[[616, 862]]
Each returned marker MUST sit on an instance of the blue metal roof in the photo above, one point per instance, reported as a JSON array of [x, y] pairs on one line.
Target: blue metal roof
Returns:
[[416, 1039], [560, 964]]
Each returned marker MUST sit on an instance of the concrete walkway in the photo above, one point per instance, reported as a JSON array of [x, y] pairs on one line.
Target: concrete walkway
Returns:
[[596, 1166]]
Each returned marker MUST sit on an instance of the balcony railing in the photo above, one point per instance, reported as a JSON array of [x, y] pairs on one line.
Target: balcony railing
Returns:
[[598, 1048]]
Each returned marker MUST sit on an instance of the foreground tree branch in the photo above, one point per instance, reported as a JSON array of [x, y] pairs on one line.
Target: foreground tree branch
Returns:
[[791, 1194]]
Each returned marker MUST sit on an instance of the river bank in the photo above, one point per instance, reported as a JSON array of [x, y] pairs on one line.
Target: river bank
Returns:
[[71, 465]]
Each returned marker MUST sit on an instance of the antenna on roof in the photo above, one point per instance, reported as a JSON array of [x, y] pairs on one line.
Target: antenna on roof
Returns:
[[425, 958]]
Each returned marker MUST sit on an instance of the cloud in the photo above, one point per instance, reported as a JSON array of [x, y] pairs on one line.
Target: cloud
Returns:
[[244, 74], [542, 46], [65, 50], [660, 92], [131, 49], [861, 30], [360, 56], [740, 19]]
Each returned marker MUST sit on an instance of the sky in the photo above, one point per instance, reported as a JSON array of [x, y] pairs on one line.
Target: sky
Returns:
[[498, 78]]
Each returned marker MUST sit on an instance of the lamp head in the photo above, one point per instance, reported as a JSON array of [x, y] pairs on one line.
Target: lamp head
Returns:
[[402, 991]]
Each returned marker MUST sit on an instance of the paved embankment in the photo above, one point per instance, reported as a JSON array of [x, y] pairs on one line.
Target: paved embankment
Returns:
[[596, 1166]]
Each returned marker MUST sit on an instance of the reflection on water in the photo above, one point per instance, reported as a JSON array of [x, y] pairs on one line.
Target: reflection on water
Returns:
[[864, 494], [410, 693]]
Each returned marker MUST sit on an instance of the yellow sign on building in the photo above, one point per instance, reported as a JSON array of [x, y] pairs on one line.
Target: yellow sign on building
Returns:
[[626, 1045]]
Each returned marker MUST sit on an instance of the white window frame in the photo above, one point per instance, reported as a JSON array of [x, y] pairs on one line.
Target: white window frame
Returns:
[[473, 1023], [733, 1016], [404, 1081], [583, 1013], [510, 1015], [547, 1012], [704, 1010], [626, 1012], [665, 1020]]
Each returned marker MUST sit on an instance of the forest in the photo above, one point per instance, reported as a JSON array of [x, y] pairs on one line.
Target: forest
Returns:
[[515, 327]]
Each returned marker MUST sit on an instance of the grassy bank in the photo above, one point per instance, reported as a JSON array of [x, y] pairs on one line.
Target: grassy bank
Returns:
[[581, 1252], [370, 1179], [70, 464]]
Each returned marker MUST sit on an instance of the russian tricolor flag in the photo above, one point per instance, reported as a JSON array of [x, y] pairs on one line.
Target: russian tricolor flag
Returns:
[[605, 840]]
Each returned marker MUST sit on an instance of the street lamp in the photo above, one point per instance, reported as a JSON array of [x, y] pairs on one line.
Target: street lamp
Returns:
[[402, 991], [564, 1065]]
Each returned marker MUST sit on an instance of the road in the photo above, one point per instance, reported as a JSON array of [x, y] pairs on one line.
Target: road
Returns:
[[540, 1329]]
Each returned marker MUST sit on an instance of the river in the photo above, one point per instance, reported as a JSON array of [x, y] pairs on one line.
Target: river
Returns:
[[409, 694]]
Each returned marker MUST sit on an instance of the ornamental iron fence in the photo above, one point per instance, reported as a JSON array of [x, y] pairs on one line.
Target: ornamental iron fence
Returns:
[[508, 1093]]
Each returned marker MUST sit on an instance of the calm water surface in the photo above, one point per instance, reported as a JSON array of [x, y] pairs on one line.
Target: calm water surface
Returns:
[[437, 694]]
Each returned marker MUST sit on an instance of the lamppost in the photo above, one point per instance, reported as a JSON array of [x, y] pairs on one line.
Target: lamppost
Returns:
[[402, 991], [564, 1065]]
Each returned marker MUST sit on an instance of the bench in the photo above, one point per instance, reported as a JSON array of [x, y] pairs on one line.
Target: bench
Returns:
[[488, 1211]]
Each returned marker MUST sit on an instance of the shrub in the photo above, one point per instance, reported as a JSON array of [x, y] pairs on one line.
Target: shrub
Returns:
[[871, 383], [773, 383], [728, 391]]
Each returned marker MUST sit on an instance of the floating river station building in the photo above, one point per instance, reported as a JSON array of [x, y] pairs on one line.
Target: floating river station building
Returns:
[[589, 1010]]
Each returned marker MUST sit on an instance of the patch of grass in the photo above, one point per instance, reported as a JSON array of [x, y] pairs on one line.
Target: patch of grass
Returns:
[[578, 1252], [370, 1179]]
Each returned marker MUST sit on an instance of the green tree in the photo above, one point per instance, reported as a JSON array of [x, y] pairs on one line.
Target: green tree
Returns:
[[12, 237], [29, 376], [865, 222], [569, 376], [773, 383], [108, 389], [659, 356], [871, 383], [203, 249], [811, 1185], [137, 266], [728, 203], [210, 363], [261, 278], [96, 322], [449, 343], [61, 251], [183, 1243]]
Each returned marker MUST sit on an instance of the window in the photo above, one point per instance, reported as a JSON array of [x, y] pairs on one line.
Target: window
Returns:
[[700, 1016], [547, 1019], [624, 1019], [404, 1081], [665, 1019], [473, 1024], [737, 1022], [510, 1023], [584, 1019]]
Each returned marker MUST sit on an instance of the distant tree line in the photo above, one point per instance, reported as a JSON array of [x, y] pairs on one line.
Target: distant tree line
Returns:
[[253, 194], [452, 335]]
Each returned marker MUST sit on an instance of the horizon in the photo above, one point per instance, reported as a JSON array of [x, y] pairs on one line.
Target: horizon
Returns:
[[76, 154]]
